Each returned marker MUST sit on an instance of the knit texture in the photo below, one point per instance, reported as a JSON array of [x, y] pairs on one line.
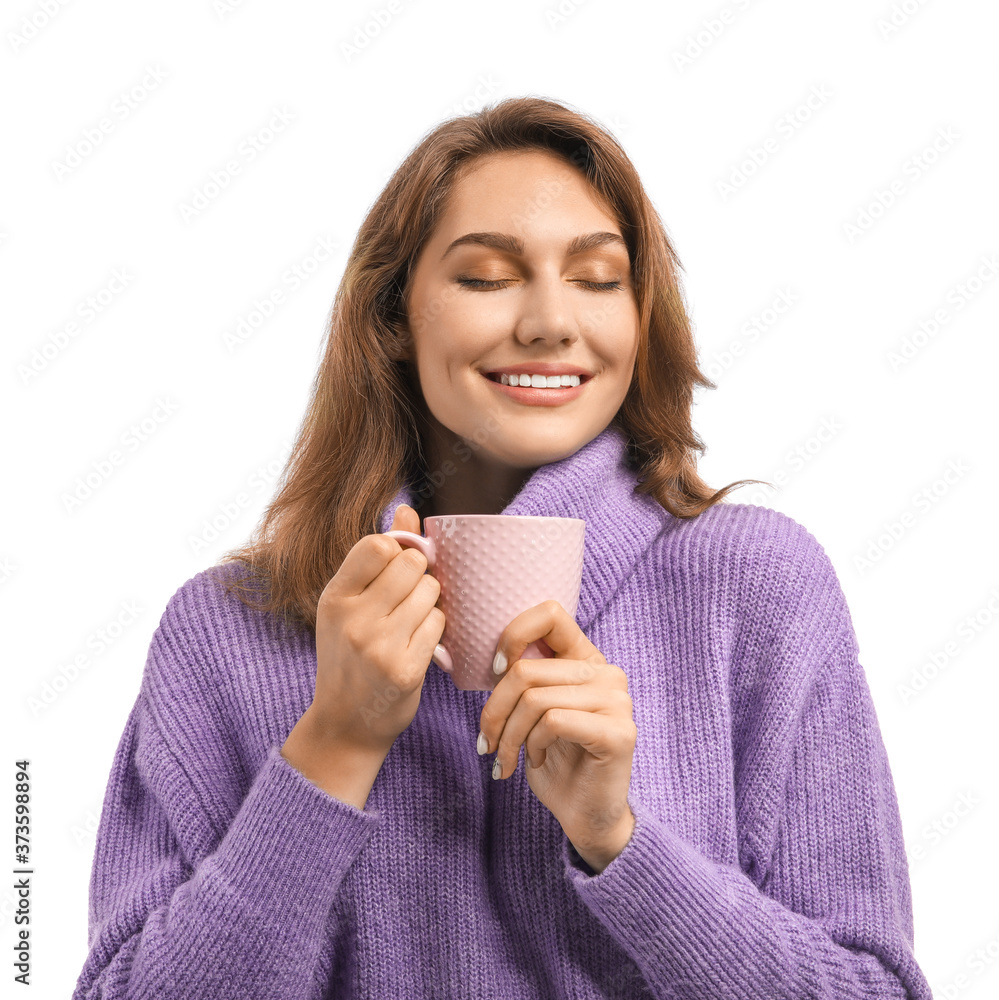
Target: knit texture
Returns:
[[767, 859]]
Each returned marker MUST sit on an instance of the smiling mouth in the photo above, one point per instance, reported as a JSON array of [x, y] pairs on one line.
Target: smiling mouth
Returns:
[[495, 377], [538, 397]]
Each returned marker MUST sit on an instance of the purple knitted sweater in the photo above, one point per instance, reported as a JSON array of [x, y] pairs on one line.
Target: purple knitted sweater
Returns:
[[767, 858]]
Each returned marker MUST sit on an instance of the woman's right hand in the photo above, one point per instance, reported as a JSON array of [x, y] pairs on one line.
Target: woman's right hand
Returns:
[[376, 629]]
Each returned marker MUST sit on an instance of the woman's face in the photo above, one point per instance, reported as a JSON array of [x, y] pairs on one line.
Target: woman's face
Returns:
[[525, 297]]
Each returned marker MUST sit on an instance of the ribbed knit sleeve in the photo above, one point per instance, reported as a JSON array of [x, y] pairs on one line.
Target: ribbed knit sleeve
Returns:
[[820, 904], [182, 905]]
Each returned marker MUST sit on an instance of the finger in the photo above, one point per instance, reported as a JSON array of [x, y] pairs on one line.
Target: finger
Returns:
[[525, 674], [428, 633], [363, 563], [535, 724], [396, 582], [547, 621], [604, 739], [528, 675], [369, 556], [412, 613], [407, 519]]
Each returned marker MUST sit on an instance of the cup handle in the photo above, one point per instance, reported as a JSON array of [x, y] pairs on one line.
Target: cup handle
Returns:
[[427, 547], [410, 538]]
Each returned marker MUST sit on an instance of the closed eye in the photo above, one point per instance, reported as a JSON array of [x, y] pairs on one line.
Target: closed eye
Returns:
[[599, 286]]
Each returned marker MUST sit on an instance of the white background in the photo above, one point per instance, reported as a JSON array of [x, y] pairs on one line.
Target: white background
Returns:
[[861, 444]]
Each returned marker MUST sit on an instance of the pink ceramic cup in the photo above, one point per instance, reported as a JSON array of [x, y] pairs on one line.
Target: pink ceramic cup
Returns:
[[491, 567]]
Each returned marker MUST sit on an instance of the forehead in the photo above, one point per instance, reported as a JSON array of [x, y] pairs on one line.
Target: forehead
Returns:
[[523, 192]]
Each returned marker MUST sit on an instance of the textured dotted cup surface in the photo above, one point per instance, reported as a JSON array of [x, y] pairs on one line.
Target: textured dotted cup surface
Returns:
[[491, 567]]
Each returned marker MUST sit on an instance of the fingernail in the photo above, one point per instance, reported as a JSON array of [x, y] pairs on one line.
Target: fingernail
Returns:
[[482, 746], [497, 769], [499, 662]]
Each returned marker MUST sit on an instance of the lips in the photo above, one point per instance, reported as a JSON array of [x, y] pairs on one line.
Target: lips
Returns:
[[534, 396]]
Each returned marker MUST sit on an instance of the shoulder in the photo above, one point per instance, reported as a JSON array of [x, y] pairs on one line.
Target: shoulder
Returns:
[[202, 603], [203, 625], [766, 568], [748, 538]]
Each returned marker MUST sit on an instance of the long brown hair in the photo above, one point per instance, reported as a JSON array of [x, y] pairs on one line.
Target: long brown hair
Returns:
[[360, 439]]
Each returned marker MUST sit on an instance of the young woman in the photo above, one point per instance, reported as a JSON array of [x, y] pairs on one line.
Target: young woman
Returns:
[[301, 806]]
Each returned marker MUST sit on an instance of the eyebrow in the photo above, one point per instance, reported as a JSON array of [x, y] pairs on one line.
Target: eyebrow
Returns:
[[510, 244]]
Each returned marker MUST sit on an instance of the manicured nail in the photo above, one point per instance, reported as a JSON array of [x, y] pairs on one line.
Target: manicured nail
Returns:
[[482, 746], [499, 662], [497, 769]]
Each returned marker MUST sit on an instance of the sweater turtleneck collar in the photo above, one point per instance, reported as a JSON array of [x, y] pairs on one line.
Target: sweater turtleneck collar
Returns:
[[595, 484]]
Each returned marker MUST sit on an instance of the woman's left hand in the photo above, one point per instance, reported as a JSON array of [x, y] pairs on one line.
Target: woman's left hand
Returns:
[[573, 715]]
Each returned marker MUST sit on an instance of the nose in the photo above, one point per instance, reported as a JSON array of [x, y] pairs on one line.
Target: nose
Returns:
[[548, 312]]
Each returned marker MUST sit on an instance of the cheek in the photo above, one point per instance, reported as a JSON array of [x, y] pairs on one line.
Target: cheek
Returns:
[[621, 345], [473, 312]]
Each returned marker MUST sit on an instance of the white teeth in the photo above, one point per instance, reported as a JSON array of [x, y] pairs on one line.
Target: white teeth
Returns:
[[540, 381]]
